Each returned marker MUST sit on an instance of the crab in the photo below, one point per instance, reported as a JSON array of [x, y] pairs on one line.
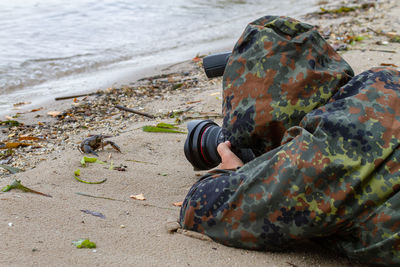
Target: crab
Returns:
[[89, 145]]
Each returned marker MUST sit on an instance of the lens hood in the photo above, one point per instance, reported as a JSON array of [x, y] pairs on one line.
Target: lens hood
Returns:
[[201, 144]]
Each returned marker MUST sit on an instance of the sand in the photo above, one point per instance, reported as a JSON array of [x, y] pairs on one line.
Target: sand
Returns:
[[38, 231]]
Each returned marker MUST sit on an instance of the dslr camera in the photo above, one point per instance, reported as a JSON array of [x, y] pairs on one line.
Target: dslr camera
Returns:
[[205, 135]]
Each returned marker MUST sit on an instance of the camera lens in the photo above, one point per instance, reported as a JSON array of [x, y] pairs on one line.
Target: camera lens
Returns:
[[214, 65], [201, 144]]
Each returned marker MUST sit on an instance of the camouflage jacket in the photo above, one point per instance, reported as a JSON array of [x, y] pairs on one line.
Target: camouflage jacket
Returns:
[[327, 146]]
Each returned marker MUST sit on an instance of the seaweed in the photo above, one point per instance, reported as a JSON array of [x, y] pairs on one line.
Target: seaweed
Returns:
[[163, 128], [10, 123], [78, 173], [11, 169], [16, 184], [345, 9], [84, 243]]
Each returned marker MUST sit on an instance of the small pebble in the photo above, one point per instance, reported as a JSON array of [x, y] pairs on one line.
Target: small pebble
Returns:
[[172, 226]]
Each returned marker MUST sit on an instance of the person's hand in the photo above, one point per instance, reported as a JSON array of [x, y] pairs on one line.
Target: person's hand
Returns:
[[228, 159]]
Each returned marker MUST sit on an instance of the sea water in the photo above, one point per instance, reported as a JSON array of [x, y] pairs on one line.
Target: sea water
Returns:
[[57, 47]]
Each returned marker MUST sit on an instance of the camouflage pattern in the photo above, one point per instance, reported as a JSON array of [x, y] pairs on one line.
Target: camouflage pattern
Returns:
[[280, 70], [333, 176]]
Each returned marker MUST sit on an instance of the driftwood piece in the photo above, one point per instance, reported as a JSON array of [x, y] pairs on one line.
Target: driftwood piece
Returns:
[[73, 96], [135, 111]]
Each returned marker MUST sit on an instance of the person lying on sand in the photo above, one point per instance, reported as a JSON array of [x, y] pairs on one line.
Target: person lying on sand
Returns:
[[326, 144]]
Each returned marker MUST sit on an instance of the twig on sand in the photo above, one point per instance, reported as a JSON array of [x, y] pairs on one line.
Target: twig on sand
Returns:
[[73, 96], [383, 50], [135, 111], [108, 198], [376, 50]]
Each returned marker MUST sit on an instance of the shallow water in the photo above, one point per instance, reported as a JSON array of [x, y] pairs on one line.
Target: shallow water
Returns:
[[55, 47]]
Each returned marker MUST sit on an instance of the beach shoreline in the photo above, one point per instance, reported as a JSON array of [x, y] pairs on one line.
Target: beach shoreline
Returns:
[[120, 75], [80, 46], [38, 230]]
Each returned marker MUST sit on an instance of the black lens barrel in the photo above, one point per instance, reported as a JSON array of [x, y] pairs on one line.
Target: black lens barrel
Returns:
[[201, 144], [214, 65], [209, 142]]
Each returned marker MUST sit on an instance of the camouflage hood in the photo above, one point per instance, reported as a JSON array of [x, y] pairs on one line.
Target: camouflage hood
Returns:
[[280, 69]]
